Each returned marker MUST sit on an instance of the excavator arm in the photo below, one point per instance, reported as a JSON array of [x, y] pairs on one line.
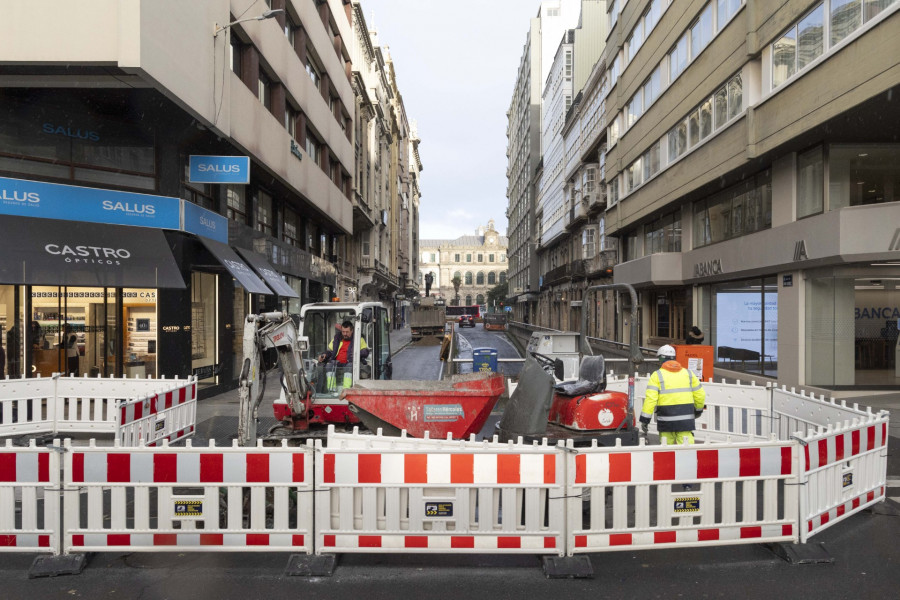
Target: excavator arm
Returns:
[[261, 332]]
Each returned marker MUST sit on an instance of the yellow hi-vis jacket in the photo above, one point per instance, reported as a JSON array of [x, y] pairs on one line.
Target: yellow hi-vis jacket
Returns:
[[676, 395]]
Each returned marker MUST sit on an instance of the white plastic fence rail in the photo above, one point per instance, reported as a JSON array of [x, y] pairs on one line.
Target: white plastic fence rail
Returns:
[[88, 405], [383, 495], [629, 498], [844, 471], [29, 499], [167, 416], [180, 499]]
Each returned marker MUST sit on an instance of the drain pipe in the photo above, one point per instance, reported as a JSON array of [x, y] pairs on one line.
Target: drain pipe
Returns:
[[636, 356]]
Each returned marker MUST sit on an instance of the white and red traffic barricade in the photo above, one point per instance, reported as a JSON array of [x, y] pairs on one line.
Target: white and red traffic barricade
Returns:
[[186, 498], [375, 495], [844, 471], [29, 499], [167, 415], [627, 498]]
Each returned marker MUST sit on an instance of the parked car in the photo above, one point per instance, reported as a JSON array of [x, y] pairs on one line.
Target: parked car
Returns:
[[466, 321]]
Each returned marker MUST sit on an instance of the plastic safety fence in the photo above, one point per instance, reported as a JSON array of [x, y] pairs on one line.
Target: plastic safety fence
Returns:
[[29, 499], [72, 404], [628, 498], [188, 499], [165, 416], [798, 411], [844, 471], [27, 406], [735, 412], [435, 496]]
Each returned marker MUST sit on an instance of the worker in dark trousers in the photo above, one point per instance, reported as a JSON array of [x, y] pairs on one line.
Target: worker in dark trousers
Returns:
[[677, 397]]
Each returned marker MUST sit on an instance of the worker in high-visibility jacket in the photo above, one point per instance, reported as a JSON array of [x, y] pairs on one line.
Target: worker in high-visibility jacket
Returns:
[[677, 397]]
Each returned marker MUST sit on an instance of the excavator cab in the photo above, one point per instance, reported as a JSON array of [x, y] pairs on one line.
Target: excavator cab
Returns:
[[369, 352]]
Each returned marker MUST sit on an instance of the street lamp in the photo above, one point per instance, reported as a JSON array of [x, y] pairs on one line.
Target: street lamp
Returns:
[[266, 15]]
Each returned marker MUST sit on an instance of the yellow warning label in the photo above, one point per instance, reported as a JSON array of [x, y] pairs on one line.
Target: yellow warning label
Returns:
[[687, 504], [188, 508]]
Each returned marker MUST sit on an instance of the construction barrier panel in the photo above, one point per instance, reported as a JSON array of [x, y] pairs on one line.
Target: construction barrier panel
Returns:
[[179, 499], [164, 416], [29, 499], [379, 494], [92, 405], [630, 498], [844, 471]]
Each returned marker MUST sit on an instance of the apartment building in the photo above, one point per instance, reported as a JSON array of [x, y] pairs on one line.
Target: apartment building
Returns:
[[386, 186], [105, 105], [752, 182], [524, 155]]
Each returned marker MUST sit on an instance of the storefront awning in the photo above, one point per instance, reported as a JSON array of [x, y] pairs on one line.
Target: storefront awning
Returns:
[[268, 273], [53, 252], [237, 267]]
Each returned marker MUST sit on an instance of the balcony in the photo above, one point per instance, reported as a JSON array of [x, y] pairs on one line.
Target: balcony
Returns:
[[578, 214], [570, 271], [606, 259], [596, 200]]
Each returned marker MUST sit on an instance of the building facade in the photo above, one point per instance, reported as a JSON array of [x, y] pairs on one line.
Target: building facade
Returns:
[[524, 156], [752, 182], [477, 261], [101, 153]]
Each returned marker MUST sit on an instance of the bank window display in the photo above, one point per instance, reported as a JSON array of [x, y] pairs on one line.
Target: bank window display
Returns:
[[744, 318], [204, 341], [852, 330]]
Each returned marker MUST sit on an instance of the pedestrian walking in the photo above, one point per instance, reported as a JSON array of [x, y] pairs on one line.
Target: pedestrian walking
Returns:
[[677, 397]]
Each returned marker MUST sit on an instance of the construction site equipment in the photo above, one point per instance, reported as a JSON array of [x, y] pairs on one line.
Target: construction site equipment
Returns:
[[426, 318], [311, 386], [457, 407]]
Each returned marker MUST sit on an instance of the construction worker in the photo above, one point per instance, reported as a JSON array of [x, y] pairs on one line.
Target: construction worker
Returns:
[[677, 397]]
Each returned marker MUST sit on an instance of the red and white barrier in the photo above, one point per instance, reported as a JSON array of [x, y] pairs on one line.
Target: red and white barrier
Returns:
[[442, 497], [211, 499], [627, 498], [164, 416], [155, 409], [29, 499], [844, 471]]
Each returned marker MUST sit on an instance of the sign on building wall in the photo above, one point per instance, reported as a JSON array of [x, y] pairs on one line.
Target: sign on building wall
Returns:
[[196, 219], [25, 198], [219, 169]]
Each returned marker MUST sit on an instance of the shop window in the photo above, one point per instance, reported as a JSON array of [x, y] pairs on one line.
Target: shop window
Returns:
[[12, 320], [140, 332], [204, 349]]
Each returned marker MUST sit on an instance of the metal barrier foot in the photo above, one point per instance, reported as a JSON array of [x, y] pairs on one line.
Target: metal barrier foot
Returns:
[[802, 554], [52, 566], [568, 567], [311, 565]]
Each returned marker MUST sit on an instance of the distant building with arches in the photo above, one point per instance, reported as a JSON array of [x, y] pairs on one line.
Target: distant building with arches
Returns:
[[479, 260]]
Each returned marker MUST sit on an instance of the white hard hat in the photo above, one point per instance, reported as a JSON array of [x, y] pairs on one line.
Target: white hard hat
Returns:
[[666, 351]]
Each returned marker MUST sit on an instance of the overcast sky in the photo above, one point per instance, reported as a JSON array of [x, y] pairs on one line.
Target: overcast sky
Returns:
[[456, 65]]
